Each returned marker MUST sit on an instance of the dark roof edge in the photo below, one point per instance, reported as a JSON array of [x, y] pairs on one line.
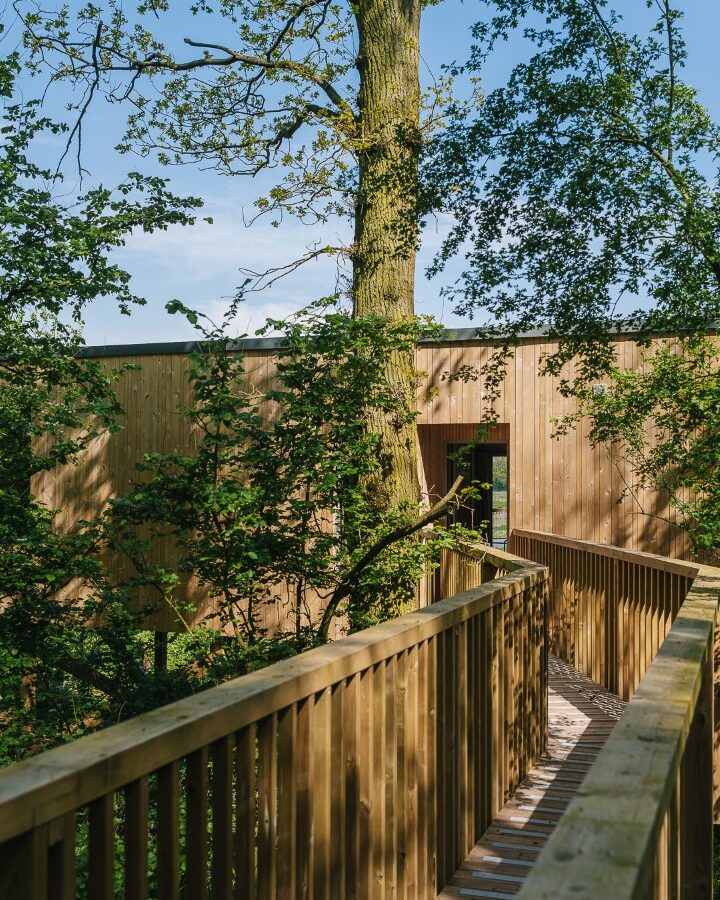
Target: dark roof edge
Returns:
[[265, 343], [175, 347], [274, 343]]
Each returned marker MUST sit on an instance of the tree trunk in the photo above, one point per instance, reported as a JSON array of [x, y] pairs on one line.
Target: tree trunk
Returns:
[[386, 227]]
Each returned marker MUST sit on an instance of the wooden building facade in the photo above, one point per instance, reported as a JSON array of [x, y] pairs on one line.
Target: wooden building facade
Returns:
[[555, 484]]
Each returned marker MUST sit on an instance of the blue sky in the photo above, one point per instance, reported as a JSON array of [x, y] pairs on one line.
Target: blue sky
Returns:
[[200, 265]]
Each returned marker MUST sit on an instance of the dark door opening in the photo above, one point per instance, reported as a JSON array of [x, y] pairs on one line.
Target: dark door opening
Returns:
[[488, 513]]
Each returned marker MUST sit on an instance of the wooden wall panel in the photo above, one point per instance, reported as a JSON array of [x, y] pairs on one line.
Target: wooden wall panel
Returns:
[[560, 485], [152, 397]]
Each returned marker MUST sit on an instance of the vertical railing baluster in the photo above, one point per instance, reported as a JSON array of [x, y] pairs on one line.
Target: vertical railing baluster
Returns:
[[101, 848], [61, 859], [168, 821], [221, 753], [136, 840], [267, 808], [287, 803], [197, 785], [245, 814], [338, 791]]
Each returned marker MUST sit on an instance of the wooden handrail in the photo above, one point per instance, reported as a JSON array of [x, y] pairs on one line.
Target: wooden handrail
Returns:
[[405, 715], [500, 559], [610, 608], [651, 560], [641, 824], [646, 627]]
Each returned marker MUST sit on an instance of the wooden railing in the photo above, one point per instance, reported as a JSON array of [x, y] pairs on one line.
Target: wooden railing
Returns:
[[641, 824], [463, 568], [364, 768], [610, 609]]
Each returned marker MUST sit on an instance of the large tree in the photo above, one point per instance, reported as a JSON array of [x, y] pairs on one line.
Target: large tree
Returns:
[[247, 511], [325, 93]]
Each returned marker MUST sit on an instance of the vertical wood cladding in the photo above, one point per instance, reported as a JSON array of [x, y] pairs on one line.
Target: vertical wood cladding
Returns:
[[561, 485], [557, 484]]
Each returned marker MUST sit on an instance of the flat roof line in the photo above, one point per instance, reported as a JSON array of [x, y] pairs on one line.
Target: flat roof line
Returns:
[[274, 343], [266, 343]]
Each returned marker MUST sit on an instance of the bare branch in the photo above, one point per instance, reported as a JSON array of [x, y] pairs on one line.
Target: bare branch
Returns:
[[260, 62], [77, 127], [665, 9], [266, 279]]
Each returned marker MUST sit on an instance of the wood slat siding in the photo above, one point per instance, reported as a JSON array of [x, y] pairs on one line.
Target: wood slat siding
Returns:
[[559, 485], [556, 485], [641, 824], [365, 768]]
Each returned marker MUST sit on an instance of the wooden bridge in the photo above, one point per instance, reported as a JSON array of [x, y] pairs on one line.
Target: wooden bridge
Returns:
[[548, 730]]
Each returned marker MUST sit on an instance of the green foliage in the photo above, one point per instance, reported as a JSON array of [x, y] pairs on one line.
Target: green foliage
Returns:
[[54, 259], [283, 93], [280, 498], [586, 188], [282, 488], [588, 192], [664, 419], [322, 99]]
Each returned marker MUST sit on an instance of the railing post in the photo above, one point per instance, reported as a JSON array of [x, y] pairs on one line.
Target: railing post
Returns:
[[696, 780], [23, 866]]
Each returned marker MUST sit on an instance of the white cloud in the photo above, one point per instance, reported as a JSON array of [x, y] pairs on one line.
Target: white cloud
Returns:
[[253, 314], [225, 245], [200, 266]]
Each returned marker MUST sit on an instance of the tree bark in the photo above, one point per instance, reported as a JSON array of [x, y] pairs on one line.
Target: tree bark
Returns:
[[386, 226]]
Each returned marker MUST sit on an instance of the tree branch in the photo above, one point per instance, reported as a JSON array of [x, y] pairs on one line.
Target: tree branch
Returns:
[[261, 62], [665, 10], [264, 280], [88, 675], [345, 587], [77, 127]]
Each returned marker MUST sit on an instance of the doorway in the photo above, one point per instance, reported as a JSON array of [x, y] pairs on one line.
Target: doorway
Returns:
[[488, 513]]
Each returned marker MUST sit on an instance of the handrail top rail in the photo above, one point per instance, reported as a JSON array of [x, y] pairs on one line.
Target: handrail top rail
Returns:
[[652, 560], [42, 788]]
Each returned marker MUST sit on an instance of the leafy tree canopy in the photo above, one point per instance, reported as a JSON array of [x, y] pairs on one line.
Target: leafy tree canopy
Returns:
[[280, 508], [586, 188], [586, 193], [664, 421], [322, 98], [286, 485]]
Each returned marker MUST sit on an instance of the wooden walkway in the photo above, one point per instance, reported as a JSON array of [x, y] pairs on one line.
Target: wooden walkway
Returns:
[[581, 716]]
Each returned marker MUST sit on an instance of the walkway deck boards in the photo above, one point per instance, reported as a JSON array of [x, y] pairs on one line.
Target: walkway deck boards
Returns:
[[581, 715]]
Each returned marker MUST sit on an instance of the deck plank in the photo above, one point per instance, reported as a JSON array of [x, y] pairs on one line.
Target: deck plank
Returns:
[[581, 715]]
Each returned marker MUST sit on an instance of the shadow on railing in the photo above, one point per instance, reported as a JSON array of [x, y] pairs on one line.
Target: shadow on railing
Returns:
[[377, 760], [645, 627], [610, 609], [462, 568]]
